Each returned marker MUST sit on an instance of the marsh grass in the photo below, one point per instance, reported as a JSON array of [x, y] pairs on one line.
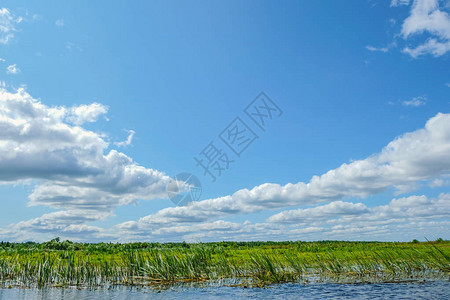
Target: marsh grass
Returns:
[[249, 263]]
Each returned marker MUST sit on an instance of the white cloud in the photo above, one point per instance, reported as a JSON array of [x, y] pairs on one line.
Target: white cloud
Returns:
[[448, 84], [72, 46], [399, 2], [37, 17], [334, 209], [426, 16], [59, 22], [413, 157], [401, 219], [67, 224], [416, 101], [70, 165], [431, 46], [74, 174], [409, 207], [7, 25], [86, 113], [12, 69], [371, 48], [128, 141], [438, 182]]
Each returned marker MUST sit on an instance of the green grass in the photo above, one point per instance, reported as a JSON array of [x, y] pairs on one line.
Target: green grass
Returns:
[[65, 263]]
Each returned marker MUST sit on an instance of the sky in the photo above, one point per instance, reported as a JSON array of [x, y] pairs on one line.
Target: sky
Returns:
[[298, 120]]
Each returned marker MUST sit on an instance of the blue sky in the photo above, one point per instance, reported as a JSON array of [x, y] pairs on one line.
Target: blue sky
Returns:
[[350, 77]]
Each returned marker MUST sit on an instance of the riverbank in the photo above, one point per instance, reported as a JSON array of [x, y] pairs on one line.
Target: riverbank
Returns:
[[249, 264]]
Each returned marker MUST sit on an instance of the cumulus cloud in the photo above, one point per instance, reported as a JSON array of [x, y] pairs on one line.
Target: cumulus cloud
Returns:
[[12, 69], [74, 172], [402, 218], [72, 167], [67, 224], [438, 182], [411, 158], [416, 101], [86, 113], [431, 46], [337, 208], [406, 207], [427, 16]]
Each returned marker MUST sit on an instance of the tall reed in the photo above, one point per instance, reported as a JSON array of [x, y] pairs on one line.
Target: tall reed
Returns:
[[259, 264]]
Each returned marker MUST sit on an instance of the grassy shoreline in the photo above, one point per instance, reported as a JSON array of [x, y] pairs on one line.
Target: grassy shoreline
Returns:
[[65, 263]]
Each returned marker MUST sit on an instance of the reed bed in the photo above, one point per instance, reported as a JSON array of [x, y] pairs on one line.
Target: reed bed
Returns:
[[255, 263]]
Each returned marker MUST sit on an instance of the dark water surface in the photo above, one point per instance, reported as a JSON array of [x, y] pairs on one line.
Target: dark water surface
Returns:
[[427, 290]]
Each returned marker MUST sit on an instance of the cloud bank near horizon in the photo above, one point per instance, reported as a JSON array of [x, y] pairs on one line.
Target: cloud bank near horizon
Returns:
[[72, 168], [408, 161], [75, 173]]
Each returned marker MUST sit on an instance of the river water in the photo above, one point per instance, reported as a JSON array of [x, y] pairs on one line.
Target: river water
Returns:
[[426, 290]]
